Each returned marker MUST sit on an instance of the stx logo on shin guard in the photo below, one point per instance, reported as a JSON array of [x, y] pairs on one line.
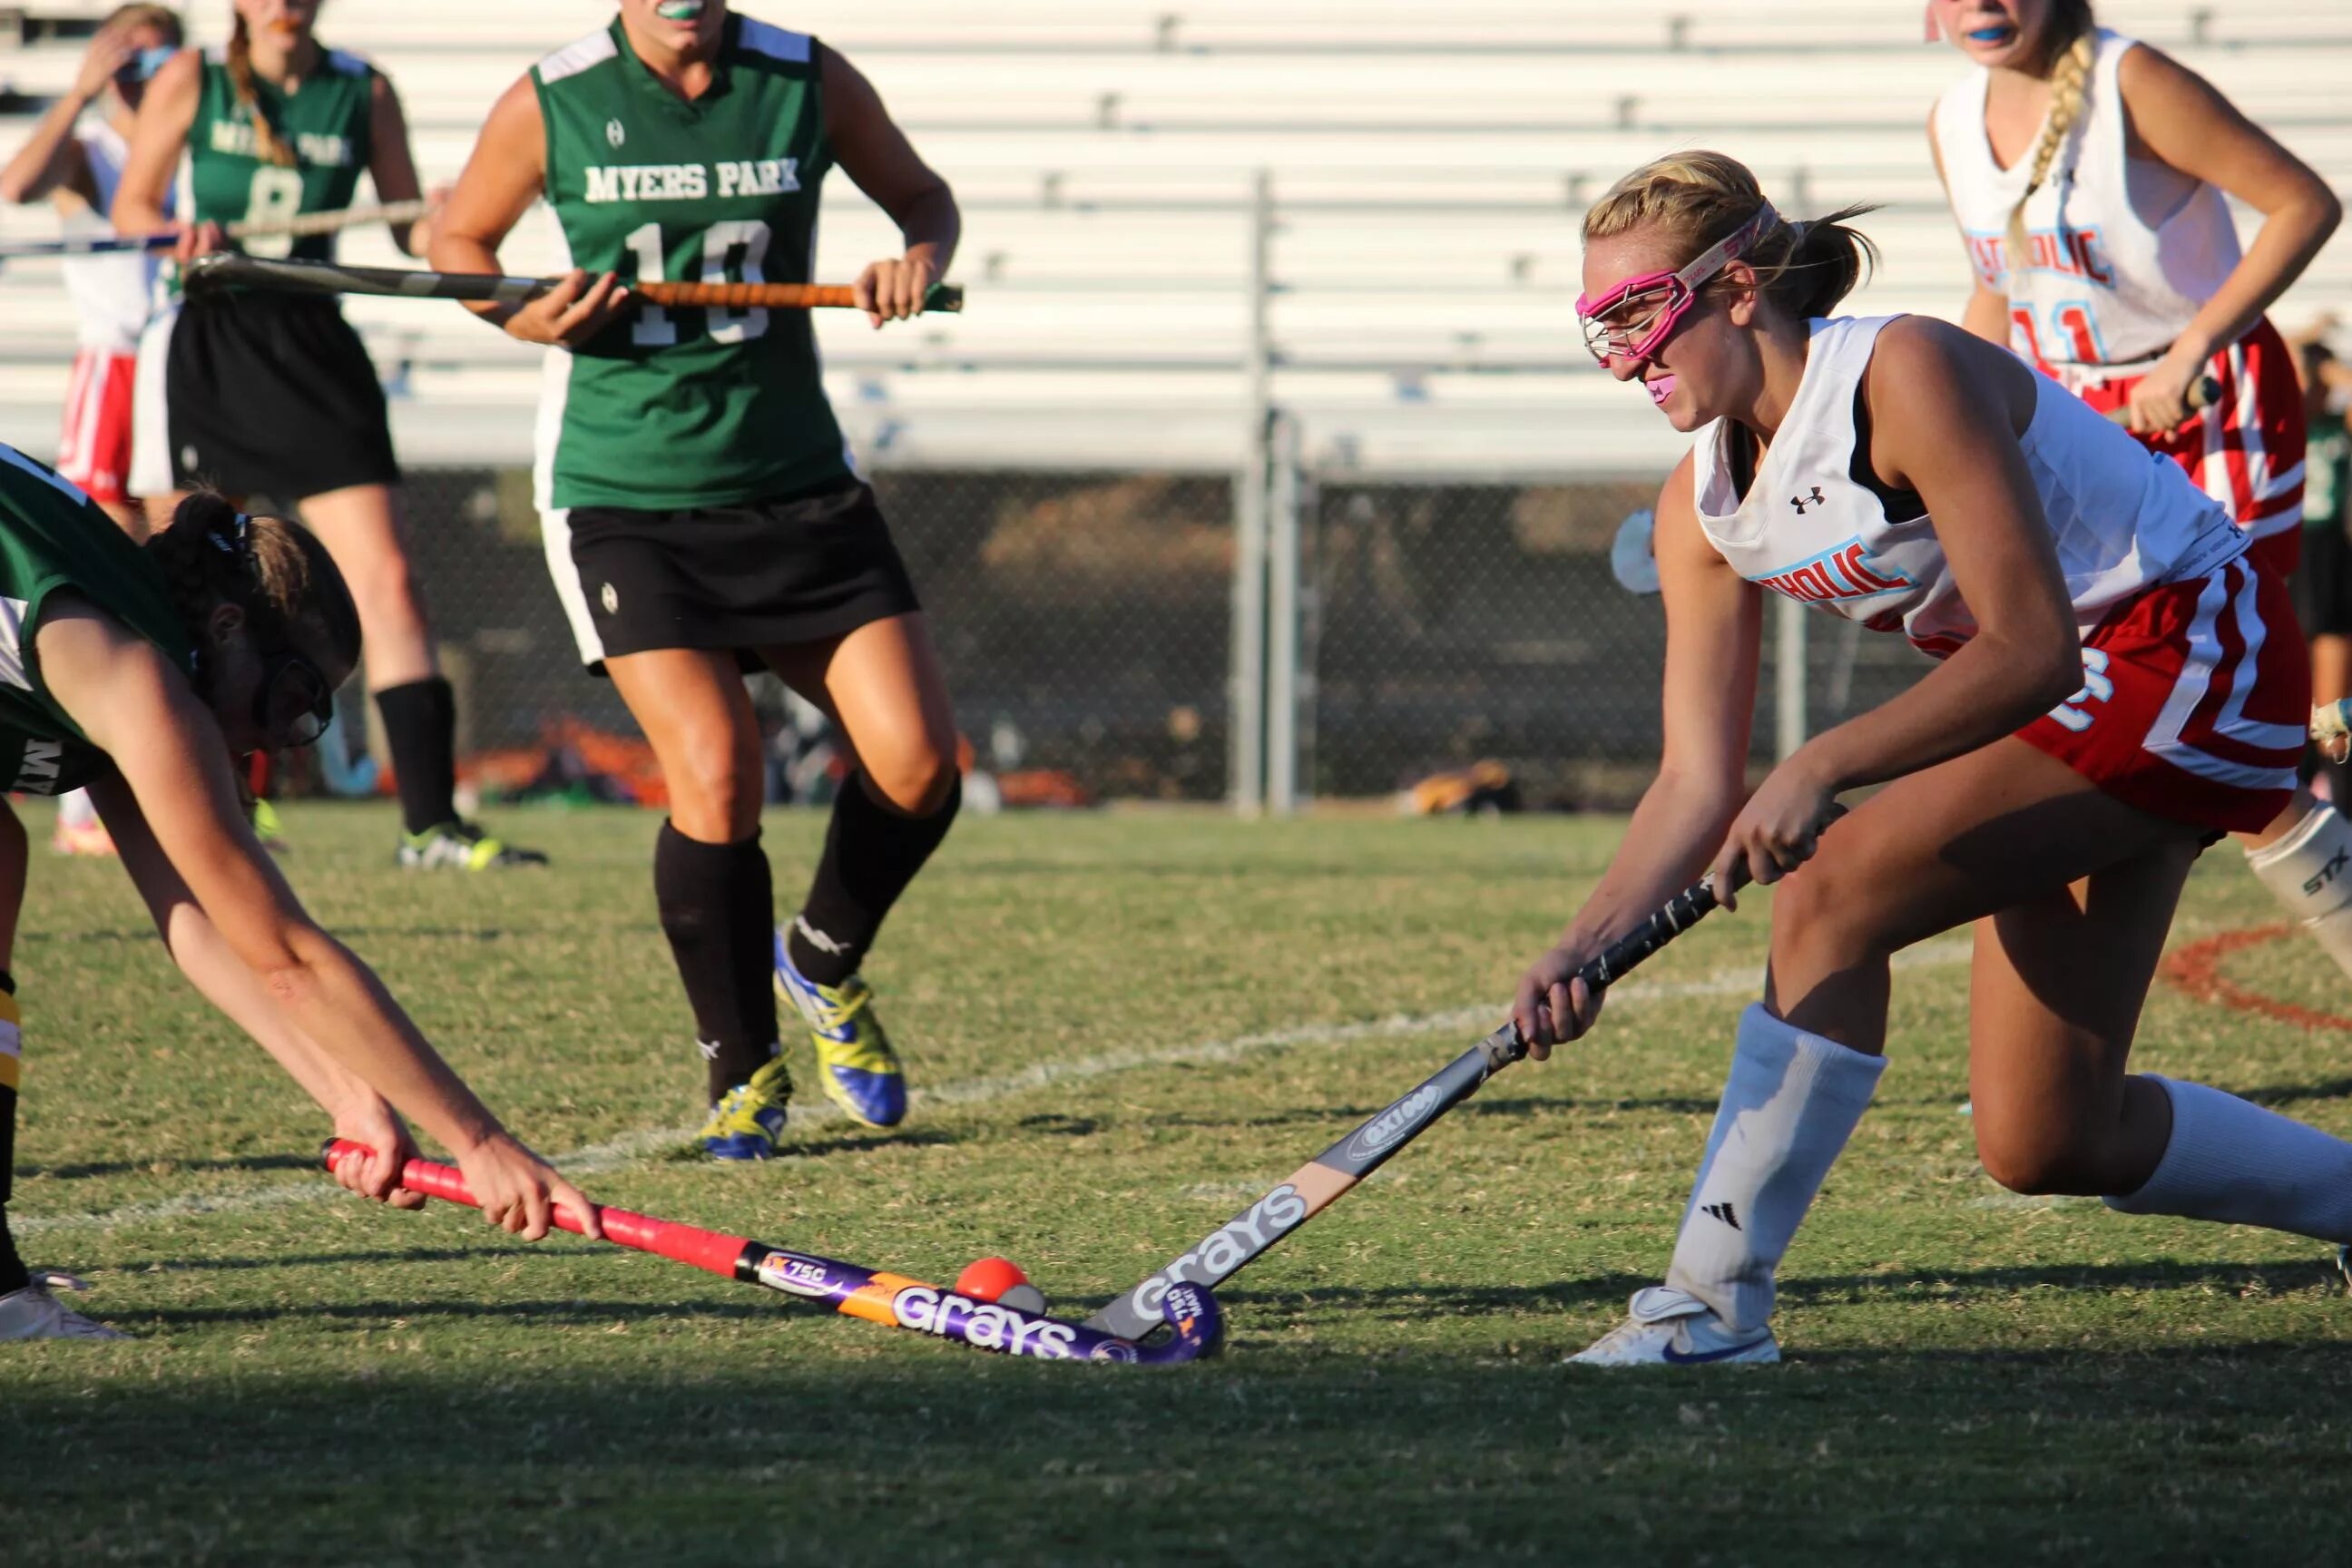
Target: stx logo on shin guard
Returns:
[[1267, 1221], [1722, 1211], [2328, 872]]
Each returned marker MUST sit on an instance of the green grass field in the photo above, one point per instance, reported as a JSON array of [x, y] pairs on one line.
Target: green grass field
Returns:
[[1972, 1377]]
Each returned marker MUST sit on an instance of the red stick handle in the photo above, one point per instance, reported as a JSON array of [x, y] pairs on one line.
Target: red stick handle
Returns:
[[691, 1244]]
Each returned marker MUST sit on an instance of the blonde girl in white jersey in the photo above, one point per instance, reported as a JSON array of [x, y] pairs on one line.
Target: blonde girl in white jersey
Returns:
[[2117, 686], [2107, 166]]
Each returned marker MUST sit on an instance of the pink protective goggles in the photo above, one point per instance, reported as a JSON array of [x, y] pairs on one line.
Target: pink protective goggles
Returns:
[[1652, 305]]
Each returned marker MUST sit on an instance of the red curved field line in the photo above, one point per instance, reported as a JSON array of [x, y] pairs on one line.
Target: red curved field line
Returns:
[[2196, 969]]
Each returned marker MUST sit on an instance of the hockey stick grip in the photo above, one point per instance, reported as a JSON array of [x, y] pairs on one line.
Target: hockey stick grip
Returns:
[[943, 298], [704, 1249], [2202, 394]]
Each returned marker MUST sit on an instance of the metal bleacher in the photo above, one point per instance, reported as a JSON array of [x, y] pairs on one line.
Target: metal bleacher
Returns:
[[1426, 166]]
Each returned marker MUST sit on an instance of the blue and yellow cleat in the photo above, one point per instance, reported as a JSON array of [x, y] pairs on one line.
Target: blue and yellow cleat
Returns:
[[855, 1062], [749, 1120]]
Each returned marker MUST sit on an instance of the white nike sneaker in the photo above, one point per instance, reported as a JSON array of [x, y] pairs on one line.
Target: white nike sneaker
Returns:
[[1672, 1328], [32, 1313]]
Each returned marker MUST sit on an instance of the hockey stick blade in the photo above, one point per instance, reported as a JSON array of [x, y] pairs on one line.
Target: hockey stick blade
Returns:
[[1324, 1180], [894, 1300]]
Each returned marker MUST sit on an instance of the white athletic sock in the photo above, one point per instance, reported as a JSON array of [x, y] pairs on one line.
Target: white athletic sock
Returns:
[[1788, 1107], [75, 809], [2309, 871], [2232, 1161]]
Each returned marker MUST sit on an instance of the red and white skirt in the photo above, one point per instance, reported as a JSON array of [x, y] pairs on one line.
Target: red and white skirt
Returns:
[[94, 448], [2245, 449], [2194, 701]]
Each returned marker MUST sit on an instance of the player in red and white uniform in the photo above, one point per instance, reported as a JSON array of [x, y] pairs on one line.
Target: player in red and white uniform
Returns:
[[2108, 167], [77, 166], [2117, 686]]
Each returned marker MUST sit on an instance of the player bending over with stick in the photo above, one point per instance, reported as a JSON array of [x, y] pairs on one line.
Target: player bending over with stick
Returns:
[[701, 512], [137, 671], [2118, 688]]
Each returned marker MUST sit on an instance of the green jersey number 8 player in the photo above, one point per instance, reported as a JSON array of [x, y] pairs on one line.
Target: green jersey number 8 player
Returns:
[[253, 393], [702, 516]]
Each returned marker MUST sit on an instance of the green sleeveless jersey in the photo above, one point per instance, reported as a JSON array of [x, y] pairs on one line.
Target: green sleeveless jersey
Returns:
[[326, 121], [673, 409], [54, 538]]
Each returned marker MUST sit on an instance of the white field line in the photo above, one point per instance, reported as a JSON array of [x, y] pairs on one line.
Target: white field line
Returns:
[[614, 1152]]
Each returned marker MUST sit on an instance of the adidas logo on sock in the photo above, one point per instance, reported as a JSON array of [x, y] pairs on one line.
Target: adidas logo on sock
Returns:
[[1722, 1211], [709, 1049]]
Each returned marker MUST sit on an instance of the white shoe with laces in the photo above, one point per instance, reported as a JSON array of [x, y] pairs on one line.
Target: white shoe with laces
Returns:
[[1672, 1328], [33, 1313]]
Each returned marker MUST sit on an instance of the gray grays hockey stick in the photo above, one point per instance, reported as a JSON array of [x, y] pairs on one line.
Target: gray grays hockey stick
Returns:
[[1324, 1180]]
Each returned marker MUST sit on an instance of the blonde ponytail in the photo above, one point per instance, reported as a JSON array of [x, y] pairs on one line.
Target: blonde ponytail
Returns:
[[2070, 86], [269, 143], [1697, 199]]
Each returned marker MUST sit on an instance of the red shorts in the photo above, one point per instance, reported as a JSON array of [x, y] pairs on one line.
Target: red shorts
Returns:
[[2194, 702], [2246, 449], [94, 449]]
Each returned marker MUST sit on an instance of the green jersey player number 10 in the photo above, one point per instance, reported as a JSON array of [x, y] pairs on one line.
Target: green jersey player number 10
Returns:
[[742, 242]]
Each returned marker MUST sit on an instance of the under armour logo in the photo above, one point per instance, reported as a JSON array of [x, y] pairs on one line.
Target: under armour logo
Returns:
[[1800, 504], [614, 134], [1725, 1212]]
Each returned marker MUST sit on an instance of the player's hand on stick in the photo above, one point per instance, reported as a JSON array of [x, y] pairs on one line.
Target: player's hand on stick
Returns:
[[2160, 400], [1553, 1006], [519, 1192], [571, 312], [379, 1128], [1778, 830], [894, 290], [191, 240]]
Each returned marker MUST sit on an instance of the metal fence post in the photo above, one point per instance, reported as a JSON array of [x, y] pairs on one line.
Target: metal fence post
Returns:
[[1789, 675], [1247, 747], [1284, 496]]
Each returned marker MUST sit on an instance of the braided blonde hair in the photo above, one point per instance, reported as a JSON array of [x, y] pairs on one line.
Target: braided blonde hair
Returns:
[[269, 143], [2070, 86], [274, 570], [1699, 198]]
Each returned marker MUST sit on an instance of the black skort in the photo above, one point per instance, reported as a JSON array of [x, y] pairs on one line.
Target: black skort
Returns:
[[760, 574], [273, 394]]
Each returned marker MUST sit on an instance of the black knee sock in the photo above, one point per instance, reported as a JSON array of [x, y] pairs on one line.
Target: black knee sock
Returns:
[[870, 856], [717, 908], [420, 722], [12, 1275]]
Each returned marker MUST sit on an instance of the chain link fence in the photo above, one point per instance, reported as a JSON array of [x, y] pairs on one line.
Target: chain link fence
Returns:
[[1086, 622], [1450, 625]]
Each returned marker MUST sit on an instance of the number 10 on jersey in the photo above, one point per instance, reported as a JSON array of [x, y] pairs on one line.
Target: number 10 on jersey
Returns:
[[744, 242]]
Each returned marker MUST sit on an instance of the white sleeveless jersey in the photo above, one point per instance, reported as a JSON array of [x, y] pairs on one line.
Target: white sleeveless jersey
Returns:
[[112, 294], [2100, 286], [1817, 525]]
